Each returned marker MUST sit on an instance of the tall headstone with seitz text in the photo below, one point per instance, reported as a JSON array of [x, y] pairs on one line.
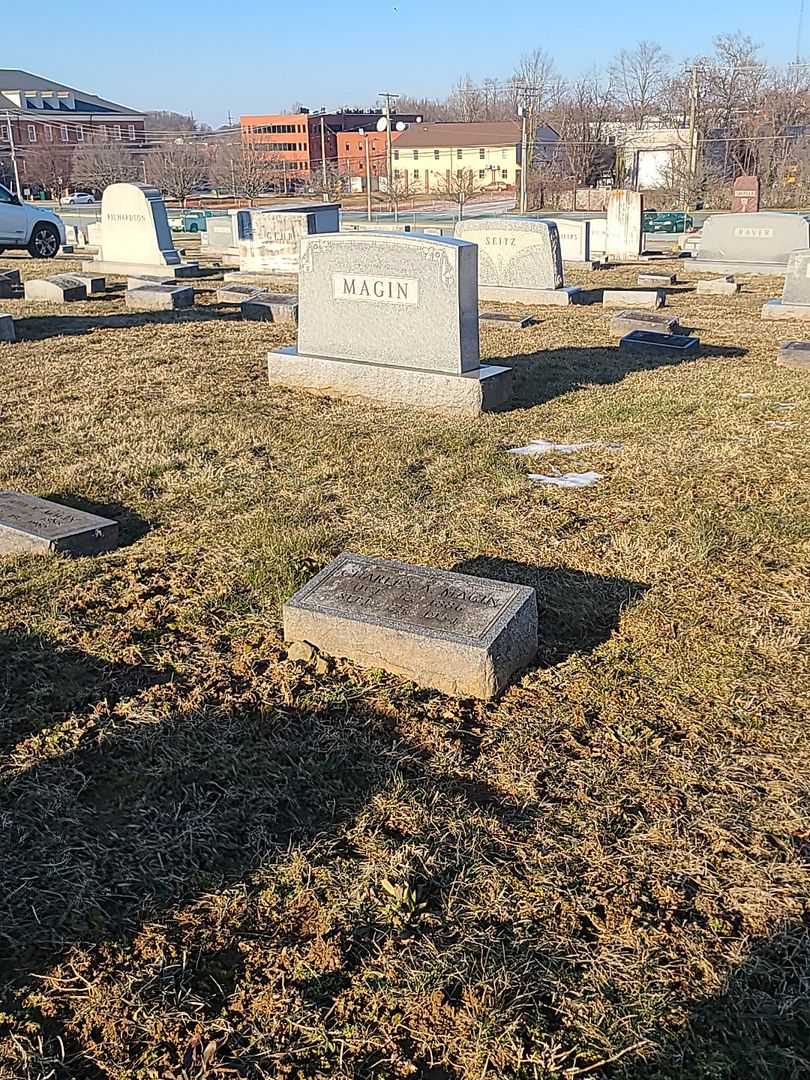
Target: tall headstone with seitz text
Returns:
[[392, 318], [135, 235], [519, 260]]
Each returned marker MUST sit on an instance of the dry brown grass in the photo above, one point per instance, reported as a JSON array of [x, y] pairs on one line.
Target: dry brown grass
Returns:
[[218, 863]]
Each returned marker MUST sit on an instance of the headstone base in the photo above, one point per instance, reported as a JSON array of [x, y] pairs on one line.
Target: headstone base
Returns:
[[180, 270], [724, 286], [568, 294], [715, 267], [488, 389], [778, 310], [794, 354], [462, 635]]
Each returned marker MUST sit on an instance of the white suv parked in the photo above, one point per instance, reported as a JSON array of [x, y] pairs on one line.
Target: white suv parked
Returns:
[[26, 225]]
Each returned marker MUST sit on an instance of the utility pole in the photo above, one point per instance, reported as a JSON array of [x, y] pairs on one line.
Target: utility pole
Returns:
[[692, 170], [389, 145], [368, 179], [13, 155], [524, 151], [233, 179], [323, 159]]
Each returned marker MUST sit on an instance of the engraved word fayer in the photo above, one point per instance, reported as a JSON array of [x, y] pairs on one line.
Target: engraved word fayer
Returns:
[[384, 289], [747, 233]]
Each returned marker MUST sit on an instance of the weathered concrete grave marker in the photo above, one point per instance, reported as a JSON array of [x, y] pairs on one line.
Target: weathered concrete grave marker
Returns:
[[135, 235], [271, 307], [657, 280], [623, 298], [29, 524], [724, 286], [392, 317], [751, 243], [795, 302], [160, 297], [624, 216], [794, 354], [519, 260], [59, 289], [627, 321], [505, 322], [463, 635]]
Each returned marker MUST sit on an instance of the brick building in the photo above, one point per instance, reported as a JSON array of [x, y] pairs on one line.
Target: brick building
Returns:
[[299, 141], [43, 114]]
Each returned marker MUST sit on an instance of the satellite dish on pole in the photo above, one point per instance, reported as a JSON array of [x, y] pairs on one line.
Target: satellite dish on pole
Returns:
[[382, 123], [401, 126]]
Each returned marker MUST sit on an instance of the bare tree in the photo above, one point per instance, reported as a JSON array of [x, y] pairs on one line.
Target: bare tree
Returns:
[[178, 168], [459, 186], [582, 155], [242, 168], [466, 101], [329, 181], [104, 164], [639, 76], [50, 166]]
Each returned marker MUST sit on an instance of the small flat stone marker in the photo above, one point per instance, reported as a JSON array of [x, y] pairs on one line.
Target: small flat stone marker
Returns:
[[794, 354], [6, 288], [505, 322], [11, 275], [32, 525], [149, 279], [465, 636], [271, 307], [160, 297], [724, 286], [92, 283], [59, 289], [657, 280], [627, 321], [623, 298], [233, 293], [7, 332], [651, 344]]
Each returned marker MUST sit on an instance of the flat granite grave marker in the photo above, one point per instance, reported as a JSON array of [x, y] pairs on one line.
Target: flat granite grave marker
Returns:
[[745, 195], [724, 286], [233, 293], [6, 288], [751, 243], [622, 298], [271, 307], [794, 354], [627, 321], [92, 283], [11, 275], [624, 216], [59, 289], [463, 635], [795, 302], [160, 297], [392, 317], [7, 331], [504, 321], [519, 260], [29, 524], [651, 344], [135, 235], [657, 280]]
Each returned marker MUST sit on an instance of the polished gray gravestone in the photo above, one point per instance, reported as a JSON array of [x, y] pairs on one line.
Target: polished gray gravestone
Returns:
[[233, 293], [160, 297], [32, 525], [623, 298], [794, 354], [11, 275], [463, 635], [724, 286], [59, 289], [647, 343], [627, 321], [271, 307], [505, 322], [519, 260], [751, 243], [7, 332], [391, 317], [7, 288], [795, 302]]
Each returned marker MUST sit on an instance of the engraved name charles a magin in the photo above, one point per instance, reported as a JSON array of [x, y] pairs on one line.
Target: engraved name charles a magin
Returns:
[[387, 290]]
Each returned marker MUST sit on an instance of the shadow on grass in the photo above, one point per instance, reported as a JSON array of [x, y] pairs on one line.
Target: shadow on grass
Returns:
[[577, 611], [40, 328], [757, 1028], [131, 526], [542, 376]]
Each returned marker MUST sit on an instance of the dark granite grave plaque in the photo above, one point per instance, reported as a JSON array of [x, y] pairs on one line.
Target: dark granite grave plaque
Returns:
[[34, 525]]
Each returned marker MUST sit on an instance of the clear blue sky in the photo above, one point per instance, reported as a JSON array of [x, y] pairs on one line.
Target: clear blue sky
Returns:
[[210, 57]]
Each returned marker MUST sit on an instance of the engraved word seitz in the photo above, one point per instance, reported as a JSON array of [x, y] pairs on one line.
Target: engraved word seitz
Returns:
[[387, 290], [747, 233], [500, 241]]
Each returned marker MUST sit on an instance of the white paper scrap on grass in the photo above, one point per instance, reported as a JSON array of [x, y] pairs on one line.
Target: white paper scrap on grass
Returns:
[[541, 446], [567, 480]]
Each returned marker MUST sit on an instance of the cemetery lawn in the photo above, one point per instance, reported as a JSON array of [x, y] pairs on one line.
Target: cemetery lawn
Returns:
[[216, 862]]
